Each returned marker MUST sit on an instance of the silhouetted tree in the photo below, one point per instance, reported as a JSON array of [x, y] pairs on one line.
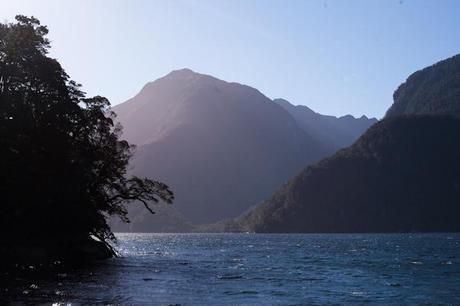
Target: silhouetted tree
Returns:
[[63, 167]]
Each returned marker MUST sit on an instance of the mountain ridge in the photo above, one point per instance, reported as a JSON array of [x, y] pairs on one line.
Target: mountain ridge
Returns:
[[431, 90], [221, 146], [337, 132], [401, 175]]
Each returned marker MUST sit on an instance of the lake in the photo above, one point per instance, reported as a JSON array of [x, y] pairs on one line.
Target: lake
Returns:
[[264, 269]]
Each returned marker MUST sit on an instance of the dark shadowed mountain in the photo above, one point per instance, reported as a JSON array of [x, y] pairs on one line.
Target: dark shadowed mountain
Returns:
[[222, 147], [433, 90], [401, 175], [338, 132]]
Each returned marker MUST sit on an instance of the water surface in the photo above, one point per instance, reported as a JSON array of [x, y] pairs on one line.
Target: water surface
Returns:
[[272, 269]]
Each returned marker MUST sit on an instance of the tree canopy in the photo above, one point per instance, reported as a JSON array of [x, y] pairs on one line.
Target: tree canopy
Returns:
[[63, 166]]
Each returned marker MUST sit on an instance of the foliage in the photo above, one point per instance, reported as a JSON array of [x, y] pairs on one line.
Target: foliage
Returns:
[[63, 167], [402, 175], [432, 90]]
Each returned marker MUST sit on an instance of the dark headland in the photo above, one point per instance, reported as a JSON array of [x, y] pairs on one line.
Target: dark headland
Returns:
[[63, 167]]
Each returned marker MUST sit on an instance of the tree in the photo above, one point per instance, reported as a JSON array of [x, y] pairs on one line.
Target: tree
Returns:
[[63, 166]]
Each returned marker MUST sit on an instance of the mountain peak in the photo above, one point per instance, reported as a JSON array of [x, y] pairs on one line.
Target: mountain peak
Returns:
[[186, 74], [179, 76], [182, 72]]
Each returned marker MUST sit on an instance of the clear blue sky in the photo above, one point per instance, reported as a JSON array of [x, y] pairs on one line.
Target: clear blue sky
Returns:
[[336, 57]]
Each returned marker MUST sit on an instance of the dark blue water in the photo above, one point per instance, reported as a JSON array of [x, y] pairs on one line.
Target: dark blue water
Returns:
[[250, 269]]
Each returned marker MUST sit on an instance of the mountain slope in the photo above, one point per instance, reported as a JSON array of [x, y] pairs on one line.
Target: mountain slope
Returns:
[[336, 132], [401, 175], [221, 146], [432, 90]]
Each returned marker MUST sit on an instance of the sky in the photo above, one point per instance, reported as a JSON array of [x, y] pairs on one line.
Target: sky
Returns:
[[336, 57]]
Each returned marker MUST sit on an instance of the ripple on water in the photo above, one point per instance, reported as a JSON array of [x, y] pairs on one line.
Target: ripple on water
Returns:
[[229, 276], [243, 292], [229, 269]]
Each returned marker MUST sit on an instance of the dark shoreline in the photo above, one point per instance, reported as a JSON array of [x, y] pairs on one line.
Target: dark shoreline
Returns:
[[51, 254]]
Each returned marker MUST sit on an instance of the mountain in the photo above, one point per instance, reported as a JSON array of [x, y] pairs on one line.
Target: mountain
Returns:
[[166, 219], [401, 175], [433, 90], [335, 132], [222, 147]]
